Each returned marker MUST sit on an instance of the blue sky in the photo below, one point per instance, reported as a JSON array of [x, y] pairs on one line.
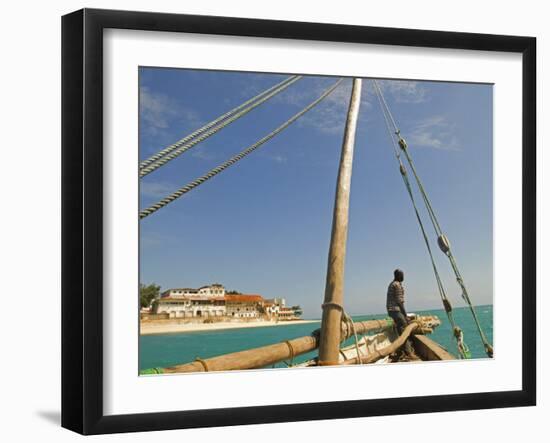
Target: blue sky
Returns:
[[263, 226]]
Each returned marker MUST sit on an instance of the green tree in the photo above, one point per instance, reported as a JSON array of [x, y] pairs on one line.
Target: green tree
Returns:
[[147, 293], [154, 306], [297, 310]]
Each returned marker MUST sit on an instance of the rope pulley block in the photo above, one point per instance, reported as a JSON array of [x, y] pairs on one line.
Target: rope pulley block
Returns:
[[402, 170], [402, 143], [443, 243], [447, 305]]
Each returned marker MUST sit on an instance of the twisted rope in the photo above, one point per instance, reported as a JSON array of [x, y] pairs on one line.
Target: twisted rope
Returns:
[[448, 253], [404, 176], [186, 143], [290, 361], [351, 328], [199, 131], [435, 223], [176, 194]]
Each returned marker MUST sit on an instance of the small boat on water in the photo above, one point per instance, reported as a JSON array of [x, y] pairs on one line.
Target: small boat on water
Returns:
[[384, 346]]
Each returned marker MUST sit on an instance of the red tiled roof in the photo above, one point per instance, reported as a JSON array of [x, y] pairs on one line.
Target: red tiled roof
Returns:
[[246, 298]]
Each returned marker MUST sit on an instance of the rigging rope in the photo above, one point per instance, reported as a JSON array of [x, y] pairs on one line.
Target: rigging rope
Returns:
[[171, 152], [350, 326], [178, 193], [404, 176], [442, 240], [445, 247], [199, 131]]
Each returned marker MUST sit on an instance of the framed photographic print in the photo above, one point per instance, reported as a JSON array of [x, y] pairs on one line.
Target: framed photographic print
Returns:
[[270, 221]]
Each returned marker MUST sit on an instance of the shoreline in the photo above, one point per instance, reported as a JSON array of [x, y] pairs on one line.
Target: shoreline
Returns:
[[160, 327]]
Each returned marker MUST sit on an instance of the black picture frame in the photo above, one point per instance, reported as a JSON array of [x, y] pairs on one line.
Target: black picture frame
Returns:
[[82, 215]]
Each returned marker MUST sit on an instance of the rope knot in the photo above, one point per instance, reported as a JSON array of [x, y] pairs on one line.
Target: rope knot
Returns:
[[334, 305], [291, 353], [489, 350], [203, 364]]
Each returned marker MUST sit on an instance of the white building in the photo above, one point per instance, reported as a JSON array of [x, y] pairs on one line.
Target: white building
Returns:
[[270, 309], [280, 302], [212, 302], [244, 305], [287, 313], [214, 290], [191, 307]]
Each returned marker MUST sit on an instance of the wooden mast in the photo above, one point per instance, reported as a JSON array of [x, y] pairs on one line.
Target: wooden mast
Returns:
[[331, 323]]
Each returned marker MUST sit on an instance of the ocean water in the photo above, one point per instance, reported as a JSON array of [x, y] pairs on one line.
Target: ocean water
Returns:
[[169, 349]]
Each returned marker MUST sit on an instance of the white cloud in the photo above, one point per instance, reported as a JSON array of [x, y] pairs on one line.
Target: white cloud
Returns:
[[155, 189], [434, 132], [160, 111], [276, 158], [404, 91], [202, 154], [329, 117]]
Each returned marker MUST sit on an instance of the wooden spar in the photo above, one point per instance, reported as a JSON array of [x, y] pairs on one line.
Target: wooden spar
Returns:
[[331, 322], [429, 349], [269, 355]]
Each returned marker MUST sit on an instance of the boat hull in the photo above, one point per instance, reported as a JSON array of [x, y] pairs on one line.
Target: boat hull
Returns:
[[426, 349]]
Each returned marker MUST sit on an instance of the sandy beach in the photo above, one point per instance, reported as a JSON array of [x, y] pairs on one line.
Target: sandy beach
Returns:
[[175, 326]]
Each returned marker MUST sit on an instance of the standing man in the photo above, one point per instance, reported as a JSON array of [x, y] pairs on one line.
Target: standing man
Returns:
[[395, 304]]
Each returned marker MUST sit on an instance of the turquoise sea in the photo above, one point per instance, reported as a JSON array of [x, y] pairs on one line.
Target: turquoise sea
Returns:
[[170, 349]]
